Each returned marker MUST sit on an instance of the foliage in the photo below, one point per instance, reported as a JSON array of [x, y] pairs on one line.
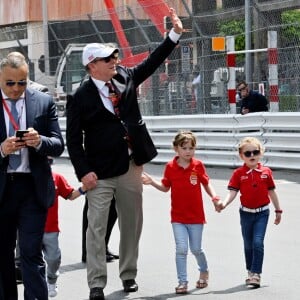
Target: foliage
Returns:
[[291, 20], [288, 103], [236, 28]]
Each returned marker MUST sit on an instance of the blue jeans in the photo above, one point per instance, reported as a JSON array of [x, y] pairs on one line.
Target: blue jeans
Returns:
[[184, 235], [254, 227]]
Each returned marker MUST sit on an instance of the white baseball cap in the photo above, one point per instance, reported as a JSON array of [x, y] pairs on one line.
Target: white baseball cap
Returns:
[[94, 50]]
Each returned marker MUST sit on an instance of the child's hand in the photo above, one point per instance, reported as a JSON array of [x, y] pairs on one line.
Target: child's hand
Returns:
[[146, 178], [219, 206], [277, 218]]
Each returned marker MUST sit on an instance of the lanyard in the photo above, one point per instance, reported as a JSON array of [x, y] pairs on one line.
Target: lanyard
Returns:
[[11, 118]]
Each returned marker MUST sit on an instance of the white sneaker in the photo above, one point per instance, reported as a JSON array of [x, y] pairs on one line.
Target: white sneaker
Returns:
[[52, 290]]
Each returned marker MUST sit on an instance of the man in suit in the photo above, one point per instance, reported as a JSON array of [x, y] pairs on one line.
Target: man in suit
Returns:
[[251, 101], [26, 184], [105, 156]]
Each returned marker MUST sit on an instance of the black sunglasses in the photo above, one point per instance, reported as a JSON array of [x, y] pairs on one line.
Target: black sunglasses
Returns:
[[107, 59], [249, 153], [19, 83]]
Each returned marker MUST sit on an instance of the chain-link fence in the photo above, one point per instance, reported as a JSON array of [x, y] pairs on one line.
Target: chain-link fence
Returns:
[[194, 78]]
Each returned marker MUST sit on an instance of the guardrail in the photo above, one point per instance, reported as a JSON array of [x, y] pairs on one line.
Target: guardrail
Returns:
[[218, 137]]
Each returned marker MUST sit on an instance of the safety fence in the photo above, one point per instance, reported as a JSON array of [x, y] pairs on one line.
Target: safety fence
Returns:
[[196, 78], [219, 135]]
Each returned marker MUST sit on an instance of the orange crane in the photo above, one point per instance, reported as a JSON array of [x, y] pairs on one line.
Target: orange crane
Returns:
[[156, 12]]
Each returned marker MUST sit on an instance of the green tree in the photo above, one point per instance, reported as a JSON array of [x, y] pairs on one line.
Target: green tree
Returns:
[[236, 28], [291, 21]]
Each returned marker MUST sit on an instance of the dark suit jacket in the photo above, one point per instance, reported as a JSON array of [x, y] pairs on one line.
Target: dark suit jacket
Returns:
[[96, 137], [41, 115], [255, 102]]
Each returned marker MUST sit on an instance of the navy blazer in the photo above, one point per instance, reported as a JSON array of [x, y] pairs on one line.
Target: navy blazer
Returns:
[[42, 116], [95, 137]]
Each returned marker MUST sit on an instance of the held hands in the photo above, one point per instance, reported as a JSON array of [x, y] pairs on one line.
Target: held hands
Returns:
[[219, 205], [146, 178], [89, 181], [177, 24]]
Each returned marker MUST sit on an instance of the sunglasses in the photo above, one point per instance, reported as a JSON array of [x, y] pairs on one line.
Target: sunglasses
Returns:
[[107, 59], [19, 83], [242, 89], [249, 153]]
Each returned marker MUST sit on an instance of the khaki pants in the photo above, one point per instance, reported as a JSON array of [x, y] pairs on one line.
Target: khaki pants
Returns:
[[128, 190]]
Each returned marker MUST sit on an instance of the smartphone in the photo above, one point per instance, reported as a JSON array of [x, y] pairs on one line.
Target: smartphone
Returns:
[[20, 133]]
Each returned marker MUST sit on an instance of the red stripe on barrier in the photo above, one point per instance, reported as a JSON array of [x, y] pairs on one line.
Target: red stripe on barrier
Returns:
[[231, 96], [273, 56], [273, 93], [230, 60]]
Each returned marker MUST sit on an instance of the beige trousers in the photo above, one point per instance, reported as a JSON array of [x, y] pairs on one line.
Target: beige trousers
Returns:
[[128, 190]]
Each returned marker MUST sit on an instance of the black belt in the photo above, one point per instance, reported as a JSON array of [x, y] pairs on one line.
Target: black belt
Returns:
[[17, 175]]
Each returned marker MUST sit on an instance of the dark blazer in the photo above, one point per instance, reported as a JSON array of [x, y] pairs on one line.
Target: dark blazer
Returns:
[[41, 115], [96, 137], [255, 102]]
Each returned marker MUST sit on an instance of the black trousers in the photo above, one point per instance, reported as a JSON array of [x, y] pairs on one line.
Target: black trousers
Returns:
[[20, 211], [112, 218]]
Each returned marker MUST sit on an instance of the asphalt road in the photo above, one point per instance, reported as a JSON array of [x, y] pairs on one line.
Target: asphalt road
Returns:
[[221, 240]]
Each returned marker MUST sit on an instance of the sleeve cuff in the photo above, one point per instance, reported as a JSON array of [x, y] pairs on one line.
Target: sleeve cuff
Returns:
[[174, 37]]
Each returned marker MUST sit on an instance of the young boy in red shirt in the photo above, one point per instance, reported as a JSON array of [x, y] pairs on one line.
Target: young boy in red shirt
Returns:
[[51, 250]]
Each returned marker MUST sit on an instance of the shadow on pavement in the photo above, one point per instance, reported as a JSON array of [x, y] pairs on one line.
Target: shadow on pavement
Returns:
[[72, 267]]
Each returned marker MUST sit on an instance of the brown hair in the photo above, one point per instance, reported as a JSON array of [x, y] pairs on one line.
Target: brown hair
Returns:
[[242, 82], [183, 137]]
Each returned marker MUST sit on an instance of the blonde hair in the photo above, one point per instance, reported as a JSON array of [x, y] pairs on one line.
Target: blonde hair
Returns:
[[252, 141], [183, 137]]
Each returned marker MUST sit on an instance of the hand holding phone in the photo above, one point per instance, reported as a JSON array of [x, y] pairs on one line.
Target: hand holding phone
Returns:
[[20, 133]]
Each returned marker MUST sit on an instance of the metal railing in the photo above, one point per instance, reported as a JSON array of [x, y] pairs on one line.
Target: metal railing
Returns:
[[219, 135]]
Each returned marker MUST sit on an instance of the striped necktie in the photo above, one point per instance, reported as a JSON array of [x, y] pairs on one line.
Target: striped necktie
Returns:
[[114, 98], [14, 158]]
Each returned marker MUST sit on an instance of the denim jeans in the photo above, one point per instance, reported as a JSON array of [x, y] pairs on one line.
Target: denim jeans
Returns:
[[185, 235], [253, 226]]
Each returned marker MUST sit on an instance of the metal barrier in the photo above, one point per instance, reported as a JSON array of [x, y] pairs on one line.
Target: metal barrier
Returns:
[[219, 135]]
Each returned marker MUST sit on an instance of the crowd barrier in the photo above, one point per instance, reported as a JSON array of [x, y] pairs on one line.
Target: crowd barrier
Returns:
[[219, 135]]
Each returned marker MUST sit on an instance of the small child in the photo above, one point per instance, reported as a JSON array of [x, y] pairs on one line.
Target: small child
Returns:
[[184, 175], [51, 250], [256, 185]]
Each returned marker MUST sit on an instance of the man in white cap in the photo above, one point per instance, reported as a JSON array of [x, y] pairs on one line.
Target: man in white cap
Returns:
[[108, 143]]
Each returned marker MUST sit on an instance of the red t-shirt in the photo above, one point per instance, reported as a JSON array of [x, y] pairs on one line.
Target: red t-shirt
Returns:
[[253, 184], [186, 195], [63, 189]]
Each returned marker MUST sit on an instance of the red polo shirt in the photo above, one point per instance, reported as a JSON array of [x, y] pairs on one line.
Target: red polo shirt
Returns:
[[63, 189], [186, 195], [253, 184]]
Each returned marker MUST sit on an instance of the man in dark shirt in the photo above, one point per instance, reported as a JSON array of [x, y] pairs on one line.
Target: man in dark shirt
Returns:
[[251, 101]]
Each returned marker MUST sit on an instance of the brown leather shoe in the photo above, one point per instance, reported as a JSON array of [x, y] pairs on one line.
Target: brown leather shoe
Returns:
[[130, 286]]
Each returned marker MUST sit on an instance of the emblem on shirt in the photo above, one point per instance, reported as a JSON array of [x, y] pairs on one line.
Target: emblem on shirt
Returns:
[[193, 178]]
